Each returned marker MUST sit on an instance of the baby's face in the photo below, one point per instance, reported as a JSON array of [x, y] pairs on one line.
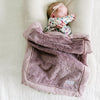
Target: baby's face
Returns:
[[61, 12]]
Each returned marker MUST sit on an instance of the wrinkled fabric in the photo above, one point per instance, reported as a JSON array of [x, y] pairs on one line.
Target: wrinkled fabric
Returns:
[[55, 63]]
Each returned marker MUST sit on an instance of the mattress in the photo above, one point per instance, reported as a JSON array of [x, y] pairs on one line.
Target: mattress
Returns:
[[16, 16]]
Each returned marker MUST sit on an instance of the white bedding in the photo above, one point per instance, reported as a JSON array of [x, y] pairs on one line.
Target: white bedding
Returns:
[[15, 17]]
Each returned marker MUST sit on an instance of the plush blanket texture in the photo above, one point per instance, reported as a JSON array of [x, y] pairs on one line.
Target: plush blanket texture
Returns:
[[55, 63]]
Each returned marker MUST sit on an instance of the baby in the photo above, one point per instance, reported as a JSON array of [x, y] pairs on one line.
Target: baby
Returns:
[[57, 14]]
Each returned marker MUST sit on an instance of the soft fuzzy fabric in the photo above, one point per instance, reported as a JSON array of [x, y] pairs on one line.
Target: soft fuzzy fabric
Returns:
[[55, 63]]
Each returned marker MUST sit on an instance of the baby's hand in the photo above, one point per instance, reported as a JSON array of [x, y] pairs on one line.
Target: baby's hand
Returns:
[[61, 25], [73, 16]]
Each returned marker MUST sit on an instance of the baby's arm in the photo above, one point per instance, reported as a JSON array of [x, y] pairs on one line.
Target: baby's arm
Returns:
[[53, 22], [69, 18], [59, 22], [61, 25], [64, 20]]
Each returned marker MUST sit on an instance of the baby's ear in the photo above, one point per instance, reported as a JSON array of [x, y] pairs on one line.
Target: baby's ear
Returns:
[[52, 15]]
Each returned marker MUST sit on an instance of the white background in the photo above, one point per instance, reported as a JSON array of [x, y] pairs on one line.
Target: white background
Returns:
[[15, 16]]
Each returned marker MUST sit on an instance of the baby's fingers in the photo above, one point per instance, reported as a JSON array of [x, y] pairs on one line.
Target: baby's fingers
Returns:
[[63, 24], [59, 26]]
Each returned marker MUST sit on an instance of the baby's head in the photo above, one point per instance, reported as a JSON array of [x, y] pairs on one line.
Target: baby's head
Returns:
[[57, 9]]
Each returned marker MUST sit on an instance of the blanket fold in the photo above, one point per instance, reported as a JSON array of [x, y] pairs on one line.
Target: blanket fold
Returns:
[[54, 62]]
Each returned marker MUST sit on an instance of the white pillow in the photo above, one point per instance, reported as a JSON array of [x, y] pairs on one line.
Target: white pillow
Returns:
[[83, 11], [36, 11]]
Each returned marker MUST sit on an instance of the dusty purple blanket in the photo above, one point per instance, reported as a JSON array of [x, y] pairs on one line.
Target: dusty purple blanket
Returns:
[[55, 63]]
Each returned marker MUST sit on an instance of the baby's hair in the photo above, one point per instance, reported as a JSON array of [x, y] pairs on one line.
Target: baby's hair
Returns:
[[50, 8]]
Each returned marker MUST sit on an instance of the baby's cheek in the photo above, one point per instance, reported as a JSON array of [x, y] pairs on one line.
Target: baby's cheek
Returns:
[[60, 14]]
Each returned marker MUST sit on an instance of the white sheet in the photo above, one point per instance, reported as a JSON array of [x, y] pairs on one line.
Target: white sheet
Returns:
[[15, 17]]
